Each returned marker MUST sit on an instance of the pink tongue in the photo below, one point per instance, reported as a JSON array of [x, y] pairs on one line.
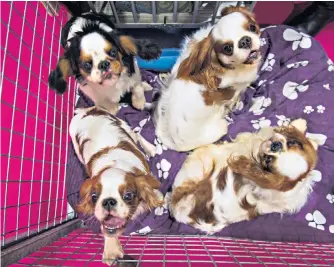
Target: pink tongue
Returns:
[[114, 221]]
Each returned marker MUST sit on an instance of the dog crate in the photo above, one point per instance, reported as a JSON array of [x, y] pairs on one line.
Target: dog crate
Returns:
[[38, 227]]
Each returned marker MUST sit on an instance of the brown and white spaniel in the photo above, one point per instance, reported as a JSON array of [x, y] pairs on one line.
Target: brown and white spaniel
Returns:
[[258, 173], [216, 64], [120, 185]]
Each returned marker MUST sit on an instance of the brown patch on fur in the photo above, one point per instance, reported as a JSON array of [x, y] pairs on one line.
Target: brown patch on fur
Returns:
[[128, 44], [127, 146], [252, 212], [65, 67], [246, 26], [212, 97], [107, 47], [202, 193], [95, 157], [82, 146], [85, 57], [221, 179], [238, 182], [116, 66], [142, 185]]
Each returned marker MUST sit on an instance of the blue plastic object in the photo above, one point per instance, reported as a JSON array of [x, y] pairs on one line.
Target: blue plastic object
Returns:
[[164, 63]]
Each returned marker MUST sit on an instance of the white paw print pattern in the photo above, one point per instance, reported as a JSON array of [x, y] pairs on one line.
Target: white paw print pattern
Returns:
[[163, 168], [308, 109], [239, 105], [263, 41], [326, 86], [259, 105], [160, 147], [320, 109], [330, 65], [141, 125], [261, 82], [298, 39], [269, 63], [291, 89], [122, 105], [297, 64], [261, 123], [229, 120], [142, 231], [316, 220], [330, 198], [331, 229], [282, 120], [268, 27]]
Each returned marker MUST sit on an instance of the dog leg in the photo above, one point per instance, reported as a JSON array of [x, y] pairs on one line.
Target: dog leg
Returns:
[[138, 97], [149, 149], [112, 250], [147, 87]]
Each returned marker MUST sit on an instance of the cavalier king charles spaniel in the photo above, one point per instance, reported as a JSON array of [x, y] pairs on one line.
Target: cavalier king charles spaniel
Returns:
[[120, 185], [257, 173], [216, 64], [96, 54]]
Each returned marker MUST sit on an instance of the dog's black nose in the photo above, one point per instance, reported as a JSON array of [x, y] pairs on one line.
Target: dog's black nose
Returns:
[[109, 203], [276, 146], [104, 65], [245, 42]]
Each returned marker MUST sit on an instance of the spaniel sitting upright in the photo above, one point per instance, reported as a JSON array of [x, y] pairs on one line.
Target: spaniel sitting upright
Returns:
[[216, 64], [97, 55], [120, 185], [256, 174]]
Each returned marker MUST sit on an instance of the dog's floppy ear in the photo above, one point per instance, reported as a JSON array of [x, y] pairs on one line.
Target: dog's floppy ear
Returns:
[[57, 78], [252, 170], [200, 58], [86, 205], [143, 48], [146, 184]]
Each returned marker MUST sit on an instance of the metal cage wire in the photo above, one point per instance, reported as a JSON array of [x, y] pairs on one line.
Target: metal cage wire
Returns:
[[34, 122], [34, 140]]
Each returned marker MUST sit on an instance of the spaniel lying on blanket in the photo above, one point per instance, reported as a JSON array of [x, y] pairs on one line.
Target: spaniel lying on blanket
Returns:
[[256, 174], [216, 64], [120, 185]]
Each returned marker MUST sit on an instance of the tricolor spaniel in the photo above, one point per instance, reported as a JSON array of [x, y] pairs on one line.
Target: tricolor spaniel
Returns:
[[216, 64], [96, 53], [120, 185], [256, 174]]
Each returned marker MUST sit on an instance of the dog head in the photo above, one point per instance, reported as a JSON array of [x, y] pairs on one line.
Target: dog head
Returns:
[[233, 42], [282, 160], [95, 52], [114, 195]]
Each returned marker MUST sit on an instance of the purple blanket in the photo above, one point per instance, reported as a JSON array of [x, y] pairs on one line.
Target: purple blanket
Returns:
[[295, 81]]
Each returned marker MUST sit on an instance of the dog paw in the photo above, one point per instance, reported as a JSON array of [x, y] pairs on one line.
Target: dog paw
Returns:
[[147, 87], [138, 102], [109, 257]]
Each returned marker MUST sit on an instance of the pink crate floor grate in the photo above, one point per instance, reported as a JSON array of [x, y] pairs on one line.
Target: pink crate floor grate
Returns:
[[84, 248]]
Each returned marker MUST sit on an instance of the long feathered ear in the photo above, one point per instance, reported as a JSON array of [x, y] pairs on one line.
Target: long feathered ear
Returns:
[[252, 170], [57, 78], [85, 205], [146, 185], [200, 58]]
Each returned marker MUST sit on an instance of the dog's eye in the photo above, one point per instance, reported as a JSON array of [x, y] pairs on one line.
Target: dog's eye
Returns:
[[291, 143], [252, 27], [228, 49], [112, 53], [94, 198], [87, 65], [128, 196]]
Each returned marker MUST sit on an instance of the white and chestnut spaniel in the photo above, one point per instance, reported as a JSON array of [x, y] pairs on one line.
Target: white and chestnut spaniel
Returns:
[[216, 64], [95, 52], [120, 185], [258, 173]]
